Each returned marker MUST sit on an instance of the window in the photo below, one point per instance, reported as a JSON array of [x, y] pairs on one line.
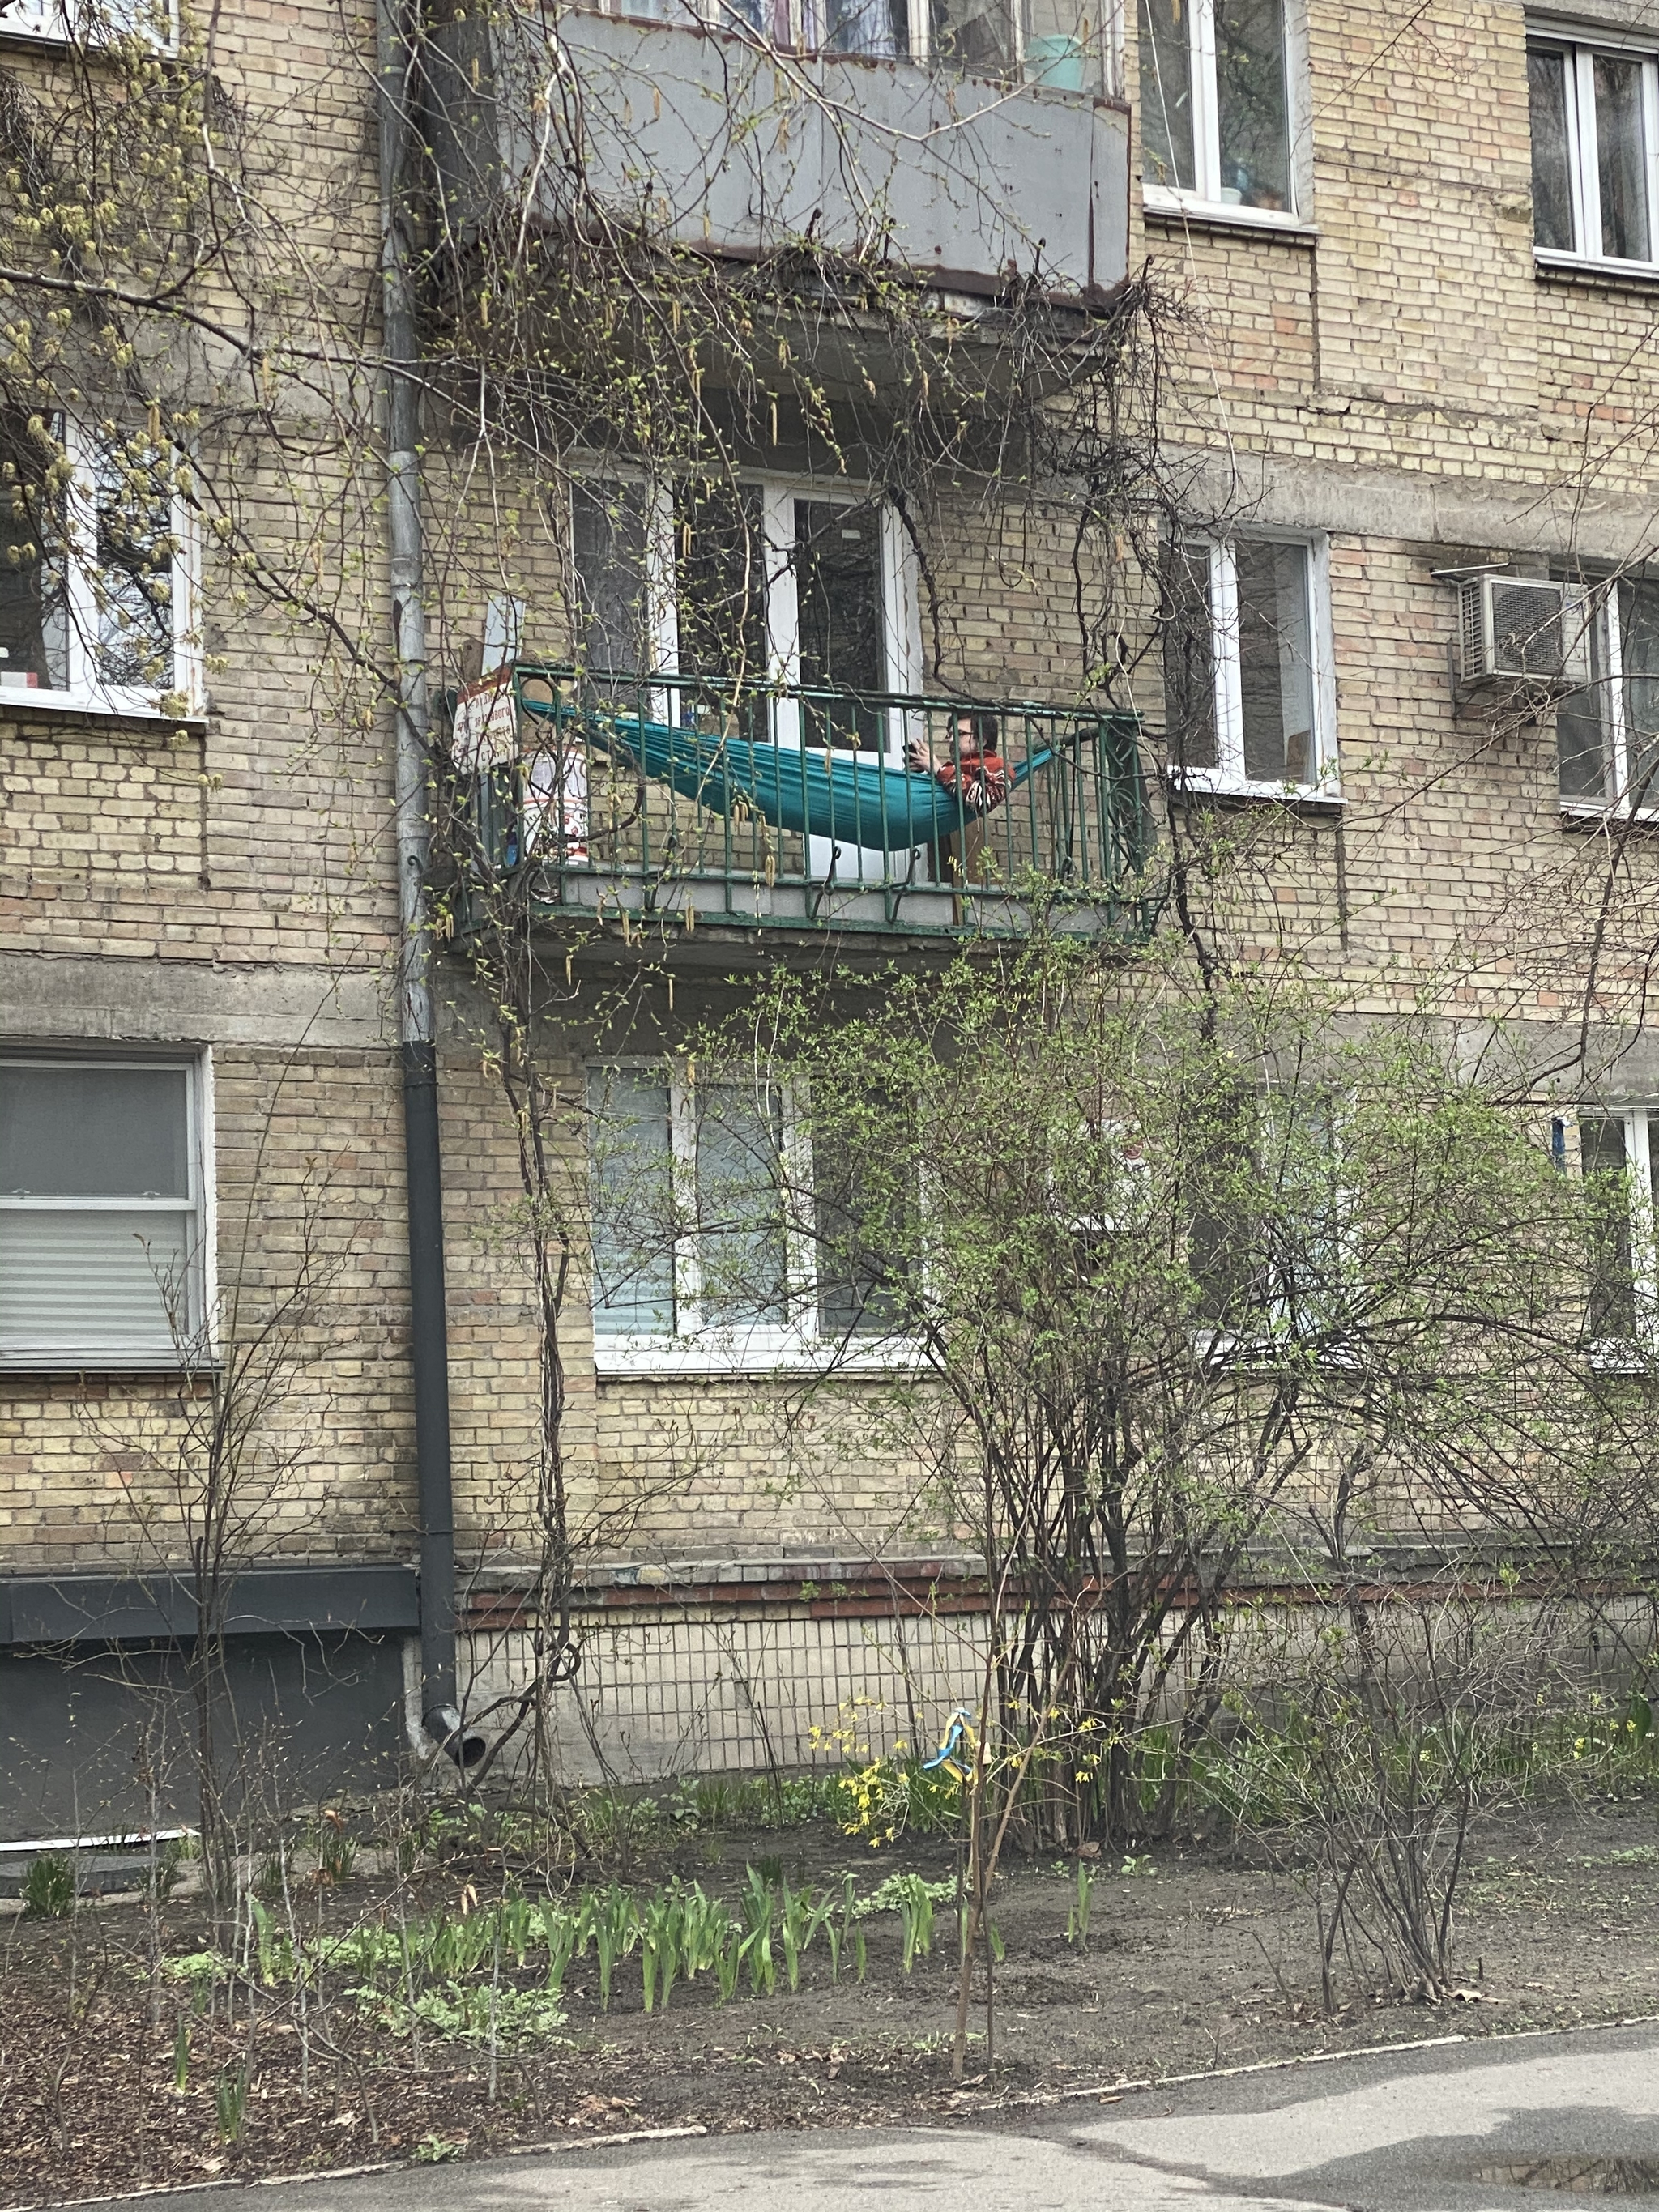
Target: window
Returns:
[[96, 586], [102, 1213], [707, 1234], [1608, 734], [1619, 1161], [1595, 152], [94, 23], [1248, 690], [986, 38], [1268, 1242], [1215, 105], [743, 587]]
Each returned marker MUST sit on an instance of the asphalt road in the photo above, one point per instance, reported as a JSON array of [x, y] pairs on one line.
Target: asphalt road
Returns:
[[1535, 2124]]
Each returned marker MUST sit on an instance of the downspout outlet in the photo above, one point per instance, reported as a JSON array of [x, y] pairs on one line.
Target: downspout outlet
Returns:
[[464, 1745]]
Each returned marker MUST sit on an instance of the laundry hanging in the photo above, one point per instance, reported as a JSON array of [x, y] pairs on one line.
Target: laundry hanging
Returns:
[[850, 797]]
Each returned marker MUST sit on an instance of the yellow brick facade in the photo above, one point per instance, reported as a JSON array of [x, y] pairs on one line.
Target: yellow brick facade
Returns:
[[1396, 374]]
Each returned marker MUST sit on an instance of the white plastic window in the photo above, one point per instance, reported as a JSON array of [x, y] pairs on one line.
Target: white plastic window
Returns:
[[1248, 694], [767, 582], [706, 1233], [1216, 123], [1619, 1158], [1608, 733], [1595, 152], [94, 23], [97, 572], [103, 1213]]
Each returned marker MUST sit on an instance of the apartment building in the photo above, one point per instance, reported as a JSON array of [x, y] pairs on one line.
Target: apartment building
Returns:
[[702, 719]]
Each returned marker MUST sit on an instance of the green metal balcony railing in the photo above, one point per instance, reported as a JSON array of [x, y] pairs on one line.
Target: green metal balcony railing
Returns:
[[789, 807]]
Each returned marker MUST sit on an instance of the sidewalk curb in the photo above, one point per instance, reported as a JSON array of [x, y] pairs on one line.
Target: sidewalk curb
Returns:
[[1045, 2101]]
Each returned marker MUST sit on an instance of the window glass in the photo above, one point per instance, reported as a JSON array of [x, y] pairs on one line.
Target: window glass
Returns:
[[1189, 657], [33, 566], [740, 1224], [879, 29], [1638, 643], [103, 1284], [93, 1132], [1612, 1310], [133, 584], [613, 615], [975, 35], [99, 1261], [1551, 174], [859, 1253], [631, 1149], [1275, 662], [1583, 738], [1226, 1233], [94, 23], [837, 564], [1620, 158], [1303, 1240], [721, 585], [1166, 94], [1252, 113]]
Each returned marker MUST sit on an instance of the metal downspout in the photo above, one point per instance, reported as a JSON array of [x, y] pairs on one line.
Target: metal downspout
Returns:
[[416, 1034]]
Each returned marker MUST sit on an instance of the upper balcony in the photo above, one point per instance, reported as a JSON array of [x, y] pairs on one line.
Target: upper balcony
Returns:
[[967, 147], [623, 800]]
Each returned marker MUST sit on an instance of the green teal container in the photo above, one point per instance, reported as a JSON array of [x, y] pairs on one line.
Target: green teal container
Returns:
[[1056, 60]]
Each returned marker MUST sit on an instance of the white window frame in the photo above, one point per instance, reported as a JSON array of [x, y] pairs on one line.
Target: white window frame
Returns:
[[1228, 775], [1637, 1122], [85, 692], [693, 1347], [197, 1209], [77, 22], [1582, 46], [901, 651], [803, 30], [1608, 696], [1206, 196]]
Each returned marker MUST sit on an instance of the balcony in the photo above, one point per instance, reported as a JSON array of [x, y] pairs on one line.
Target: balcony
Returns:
[[742, 141], [620, 799]]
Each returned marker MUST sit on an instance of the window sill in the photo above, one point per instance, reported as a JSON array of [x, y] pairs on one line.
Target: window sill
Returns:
[[19, 704], [104, 1363], [1182, 208], [1611, 1356], [1198, 784], [57, 38], [662, 1357], [1600, 271], [1586, 815]]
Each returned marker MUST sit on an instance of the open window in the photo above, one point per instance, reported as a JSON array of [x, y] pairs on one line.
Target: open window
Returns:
[[96, 570], [1248, 696], [104, 1213], [745, 587], [93, 23]]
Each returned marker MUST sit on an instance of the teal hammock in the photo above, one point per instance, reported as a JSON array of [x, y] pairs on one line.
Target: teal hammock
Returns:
[[851, 798]]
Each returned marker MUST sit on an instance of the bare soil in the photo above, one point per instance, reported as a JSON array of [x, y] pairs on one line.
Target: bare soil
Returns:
[[1196, 1960]]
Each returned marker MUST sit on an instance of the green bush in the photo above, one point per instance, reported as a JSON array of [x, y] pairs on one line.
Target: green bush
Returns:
[[48, 1890]]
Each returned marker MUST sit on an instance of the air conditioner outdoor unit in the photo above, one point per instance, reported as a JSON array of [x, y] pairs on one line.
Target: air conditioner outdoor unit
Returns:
[[1523, 631]]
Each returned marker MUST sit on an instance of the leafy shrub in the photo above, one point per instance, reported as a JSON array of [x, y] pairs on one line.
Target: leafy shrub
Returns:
[[48, 1887]]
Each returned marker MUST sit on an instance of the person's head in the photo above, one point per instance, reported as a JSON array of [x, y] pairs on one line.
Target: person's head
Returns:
[[977, 732]]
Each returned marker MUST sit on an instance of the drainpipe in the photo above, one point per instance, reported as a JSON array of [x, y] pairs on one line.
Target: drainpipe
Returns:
[[416, 1035]]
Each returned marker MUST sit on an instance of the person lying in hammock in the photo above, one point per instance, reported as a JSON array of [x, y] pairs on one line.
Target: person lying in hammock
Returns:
[[971, 770]]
